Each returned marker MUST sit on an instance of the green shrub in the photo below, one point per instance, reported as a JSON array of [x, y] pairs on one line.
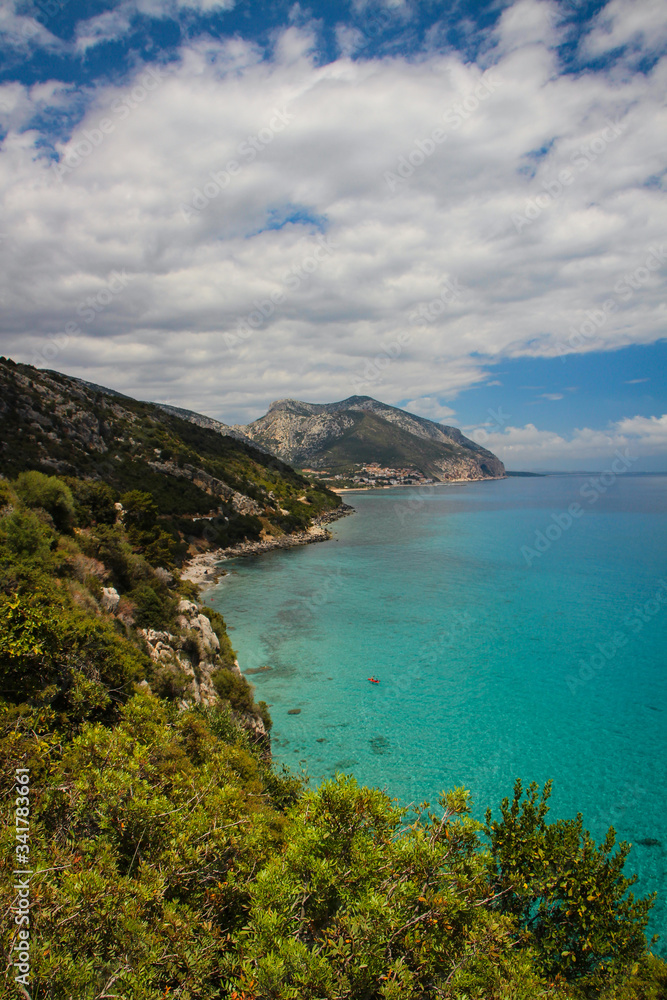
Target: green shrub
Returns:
[[50, 493], [94, 502], [233, 688], [140, 518], [45, 645], [94, 586], [85, 697], [139, 510], [170, 681], [263, 711], [147, 836], [109, 545], [154, 608], [159, 547], [30, 643], [24, 537], [6, 494], [567, 895], [227, 654], [188, 590]]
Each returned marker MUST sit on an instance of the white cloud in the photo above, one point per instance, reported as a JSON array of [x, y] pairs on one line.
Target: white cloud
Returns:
[[346, 124], [106, 27], [116, 23], [642, 26], [205, 6], [528, 22], [19, 33], [529, 447], [649, 432], [430, 407]]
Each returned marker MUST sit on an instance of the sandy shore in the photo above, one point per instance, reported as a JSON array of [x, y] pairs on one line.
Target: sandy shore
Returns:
[[204, 569]]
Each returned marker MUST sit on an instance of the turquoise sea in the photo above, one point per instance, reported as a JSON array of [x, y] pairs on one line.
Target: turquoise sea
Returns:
[[496, 660]]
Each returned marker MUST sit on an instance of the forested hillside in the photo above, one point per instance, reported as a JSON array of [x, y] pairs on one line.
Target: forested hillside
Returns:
[[57, 424]]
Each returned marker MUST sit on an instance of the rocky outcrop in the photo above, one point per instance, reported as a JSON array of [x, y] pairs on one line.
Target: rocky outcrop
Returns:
[[299, 438], [110, 599], [38, 409], [215, 487], [187, 662]]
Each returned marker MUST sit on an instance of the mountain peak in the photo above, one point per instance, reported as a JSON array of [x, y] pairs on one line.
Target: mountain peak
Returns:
[[300, 406], [359, 430]]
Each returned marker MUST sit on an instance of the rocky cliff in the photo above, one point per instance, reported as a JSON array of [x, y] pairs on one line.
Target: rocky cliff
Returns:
[[187, 661]]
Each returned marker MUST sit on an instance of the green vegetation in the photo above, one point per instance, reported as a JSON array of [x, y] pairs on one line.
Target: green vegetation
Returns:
[[176, 861], [172, 859], [234, 689], [48, 493], [372, 439], [59, 647], [569, 896]]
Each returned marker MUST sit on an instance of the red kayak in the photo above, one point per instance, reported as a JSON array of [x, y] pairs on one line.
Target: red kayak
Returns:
[[373, 680]]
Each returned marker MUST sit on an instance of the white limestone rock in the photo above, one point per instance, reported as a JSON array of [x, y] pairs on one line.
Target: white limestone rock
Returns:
[[110, 599]]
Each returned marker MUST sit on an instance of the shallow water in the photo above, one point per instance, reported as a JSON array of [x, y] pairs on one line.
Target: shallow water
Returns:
[[489, 668]]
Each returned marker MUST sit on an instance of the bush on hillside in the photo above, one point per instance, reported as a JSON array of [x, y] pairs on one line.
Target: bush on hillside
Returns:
[[58, 654], [140, 511], [170, 682], [233, 688], [566, 894], [263, 711], [6, 493], [94, 502], [50, 493], [153, 607], [140, 517], [25, 538], [108, 544], [227, 654]]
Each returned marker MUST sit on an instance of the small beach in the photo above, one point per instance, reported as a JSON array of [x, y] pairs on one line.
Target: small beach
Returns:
[[202, 569]]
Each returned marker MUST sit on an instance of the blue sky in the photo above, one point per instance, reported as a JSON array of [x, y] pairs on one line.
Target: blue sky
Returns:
[[407, 29], [456, 209]]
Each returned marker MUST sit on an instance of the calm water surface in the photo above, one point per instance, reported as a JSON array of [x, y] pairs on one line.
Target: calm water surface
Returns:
[[495, 660]]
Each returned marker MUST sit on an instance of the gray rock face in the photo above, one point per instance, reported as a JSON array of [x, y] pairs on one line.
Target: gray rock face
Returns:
[[110, 598], [296, 437], [195, 653], [362, 429], [172, 652], [215, 487]]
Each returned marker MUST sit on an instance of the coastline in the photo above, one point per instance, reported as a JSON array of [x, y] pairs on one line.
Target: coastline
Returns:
[[202, 568], [411, 486]]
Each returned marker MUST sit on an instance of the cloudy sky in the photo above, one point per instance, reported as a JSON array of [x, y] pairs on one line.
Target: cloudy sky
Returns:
[[218, 203]]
